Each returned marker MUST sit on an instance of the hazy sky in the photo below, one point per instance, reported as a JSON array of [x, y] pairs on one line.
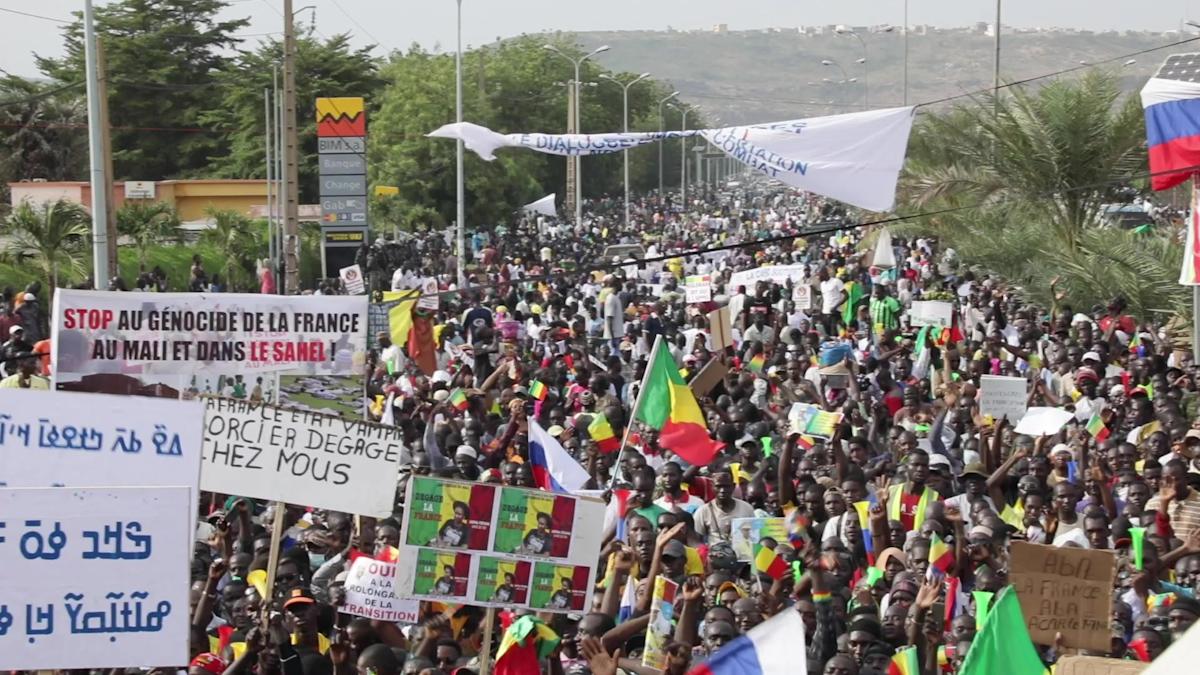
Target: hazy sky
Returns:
[[399, 23]]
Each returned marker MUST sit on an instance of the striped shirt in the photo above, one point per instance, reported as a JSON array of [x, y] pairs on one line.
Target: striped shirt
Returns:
[[885, 314], [1184, 514]]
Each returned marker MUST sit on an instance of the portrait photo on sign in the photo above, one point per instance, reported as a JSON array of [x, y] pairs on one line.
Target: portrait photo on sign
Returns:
[[559, 588], [445, 514], [534, 523], [501, 581], [442, 574]]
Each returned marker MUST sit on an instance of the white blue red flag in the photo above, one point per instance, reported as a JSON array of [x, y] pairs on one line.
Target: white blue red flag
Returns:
[[1172, 105], [553, 467], [773, 647]]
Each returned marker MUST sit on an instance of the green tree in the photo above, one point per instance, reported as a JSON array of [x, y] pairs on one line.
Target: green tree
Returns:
[[42, 132], [328, 67], [512, 86], [1033, 174], [52, 237], [242, 239], [145, 224], [162, 57]]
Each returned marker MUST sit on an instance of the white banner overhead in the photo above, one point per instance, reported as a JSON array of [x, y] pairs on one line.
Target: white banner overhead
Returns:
[[855, 158]]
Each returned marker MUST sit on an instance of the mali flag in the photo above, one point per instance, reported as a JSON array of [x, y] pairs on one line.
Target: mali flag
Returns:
[[767, 562], [458, 399], [602, 432], [905, 662], [854, 293], [1003, 645], [537, 390], [941, 557], [668, 405], [526, 642]]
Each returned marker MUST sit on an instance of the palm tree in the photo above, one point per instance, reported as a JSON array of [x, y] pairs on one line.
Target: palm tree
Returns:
[[146, 223], [234, 234], [1032, 173], [54, 237]]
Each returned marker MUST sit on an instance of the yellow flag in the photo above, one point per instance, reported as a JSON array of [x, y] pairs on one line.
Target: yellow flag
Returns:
[[400, 316]]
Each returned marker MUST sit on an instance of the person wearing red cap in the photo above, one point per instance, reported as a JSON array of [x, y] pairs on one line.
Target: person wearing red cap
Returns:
[[206, 664]]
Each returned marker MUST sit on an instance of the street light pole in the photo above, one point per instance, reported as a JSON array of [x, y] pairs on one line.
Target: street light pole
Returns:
[[625, 121], [577, 63], [100, 271], [906, 52], [996, 71], [461, 214], [683, 161], [662, 142]]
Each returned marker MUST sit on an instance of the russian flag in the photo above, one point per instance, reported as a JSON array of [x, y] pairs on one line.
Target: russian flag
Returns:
[[1171, 100], [553, 467], [774, 647]]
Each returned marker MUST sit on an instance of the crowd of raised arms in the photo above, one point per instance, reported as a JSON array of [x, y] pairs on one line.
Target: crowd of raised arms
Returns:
[[578, 309]]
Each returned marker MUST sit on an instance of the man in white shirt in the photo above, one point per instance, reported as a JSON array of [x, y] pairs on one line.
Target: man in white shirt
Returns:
[[833, 291]]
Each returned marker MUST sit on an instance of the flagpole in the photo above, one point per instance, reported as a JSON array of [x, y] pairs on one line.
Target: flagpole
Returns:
[[633, 414]]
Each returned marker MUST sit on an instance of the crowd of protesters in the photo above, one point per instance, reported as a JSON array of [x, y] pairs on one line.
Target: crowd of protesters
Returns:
[[579, 307]]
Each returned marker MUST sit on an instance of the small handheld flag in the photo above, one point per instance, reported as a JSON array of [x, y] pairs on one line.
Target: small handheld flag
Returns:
[[767, 562], [458, 399], [1097, 428], [941, 556], [905, 662], [756, 363], [538, 390], [602, 433]]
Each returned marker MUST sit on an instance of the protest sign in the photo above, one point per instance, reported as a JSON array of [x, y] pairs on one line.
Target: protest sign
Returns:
[[502, 581], [660, 630], [1041, 421], [64, 439], [779, 274], [446, 514], [94, 577], [441, 574], [1065, 590], [719, 328], [136, 340], [698, 288], [534, 523], [371, 593], [1072, 664], [562, 588], [352, 279], [802, 295], [709, 376], [811, 420], [1001, 396], [931, 313], [429, 295], [498, 536], [292, 455], [745, 533]]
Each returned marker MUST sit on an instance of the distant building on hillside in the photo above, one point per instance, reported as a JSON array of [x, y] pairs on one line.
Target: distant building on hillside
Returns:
[[721, 28]]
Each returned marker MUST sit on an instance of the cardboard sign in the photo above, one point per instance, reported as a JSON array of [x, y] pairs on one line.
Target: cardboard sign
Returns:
[[371, 593], [802, 296], [1002, 396], [719, 328], [931, 313], [1065, 590], [292, 455], [352, 279], [779, 274], [660, 630], [1097, 665], [709, 377], [94, 577]]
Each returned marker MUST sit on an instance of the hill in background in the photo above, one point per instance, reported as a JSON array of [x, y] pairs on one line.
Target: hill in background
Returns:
[[776, 74]]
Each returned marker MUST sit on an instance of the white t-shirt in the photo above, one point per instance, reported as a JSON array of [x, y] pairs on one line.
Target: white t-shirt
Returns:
[[831, 294]]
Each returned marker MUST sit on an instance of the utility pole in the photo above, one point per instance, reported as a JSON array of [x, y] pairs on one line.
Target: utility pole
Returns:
[[110, 215], [996, 65], [291, 178], [96, 153], [571, 178], [460, 186]]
